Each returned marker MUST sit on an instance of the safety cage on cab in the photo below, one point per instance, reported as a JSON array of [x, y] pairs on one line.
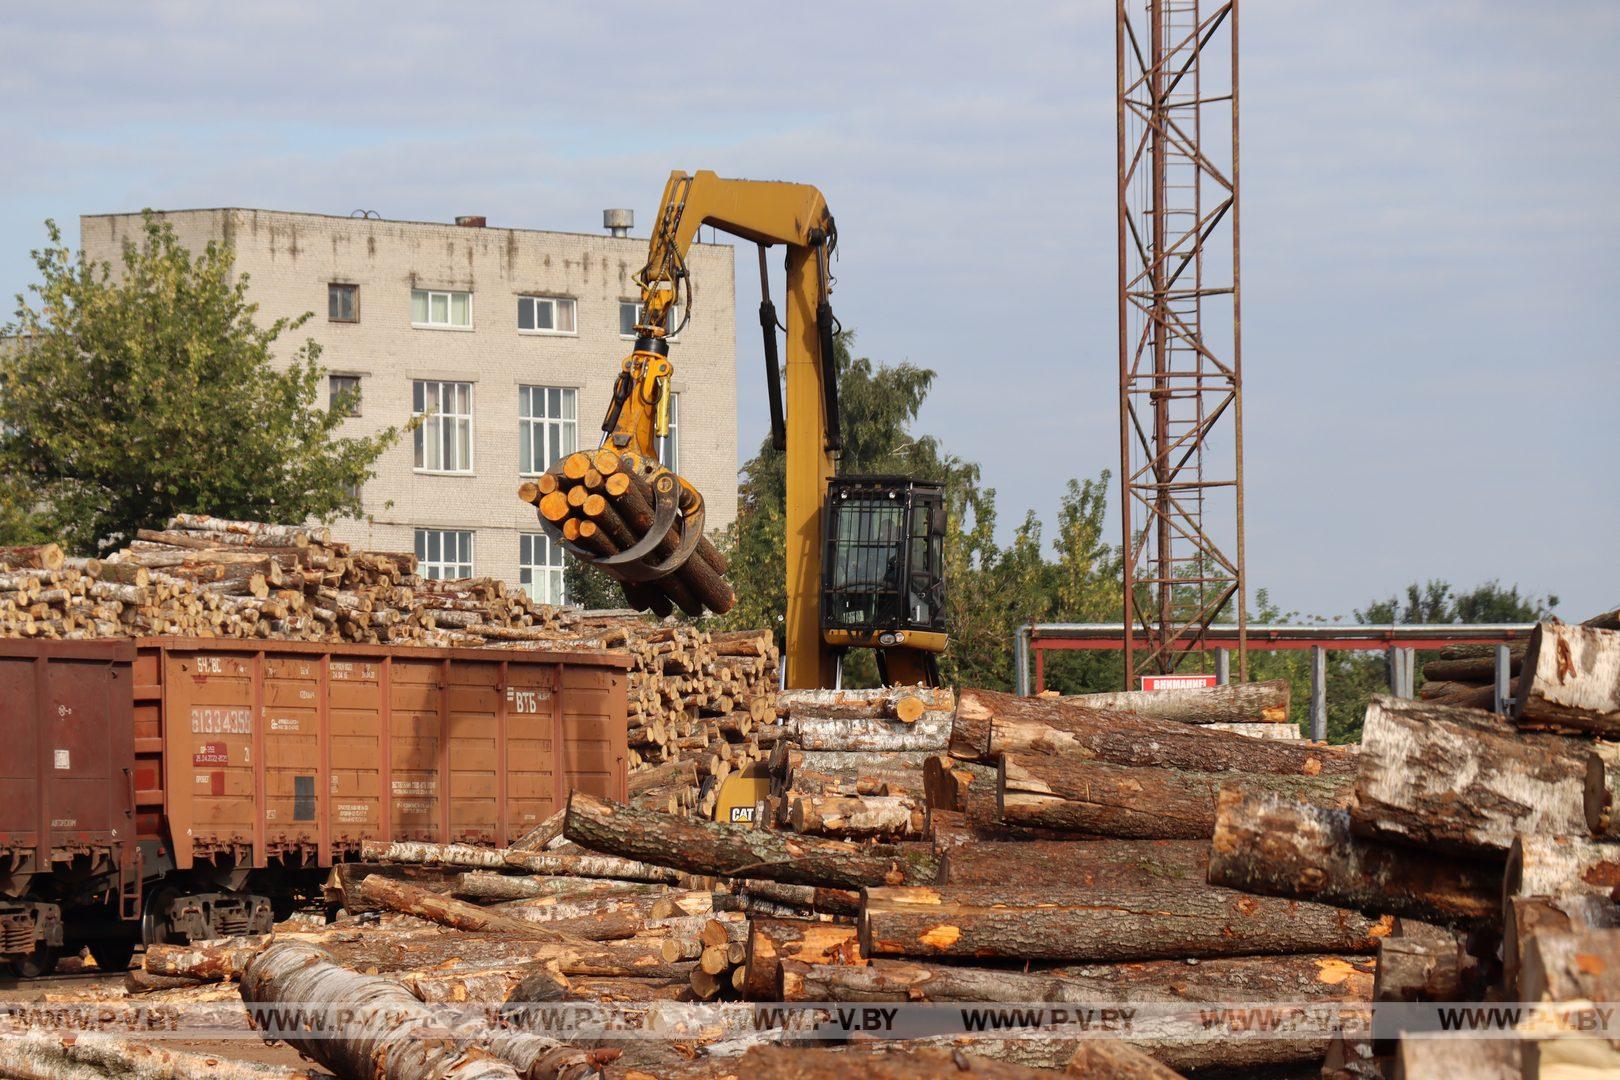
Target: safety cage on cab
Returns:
[[883, 565]]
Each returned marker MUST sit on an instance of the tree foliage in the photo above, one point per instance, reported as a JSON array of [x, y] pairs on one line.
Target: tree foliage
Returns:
[[127, 398], [990, 589]]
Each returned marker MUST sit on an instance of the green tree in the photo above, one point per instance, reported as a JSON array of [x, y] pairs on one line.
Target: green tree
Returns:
[[129, 398], [1440, 602], [990, 589]]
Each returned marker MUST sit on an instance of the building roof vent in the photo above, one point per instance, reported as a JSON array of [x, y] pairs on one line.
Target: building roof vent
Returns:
[[472, 221], [618, 222]]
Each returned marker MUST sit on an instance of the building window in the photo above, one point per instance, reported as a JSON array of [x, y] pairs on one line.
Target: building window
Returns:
[[630, 315], [444, 437], [339, 388], [540, 568], [547, 427], [343, 303], [433, 308], [444, 554], [545, 315], [672, 448]]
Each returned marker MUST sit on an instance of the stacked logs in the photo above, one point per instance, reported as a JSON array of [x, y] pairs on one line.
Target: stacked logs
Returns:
[[985, 909], [849, 763], [210, 577], [602, 503], [701, 707], [1497, 829]]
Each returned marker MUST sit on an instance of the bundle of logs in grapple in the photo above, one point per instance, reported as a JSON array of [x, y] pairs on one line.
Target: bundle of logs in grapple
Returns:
[[209, 577], [603, 504]]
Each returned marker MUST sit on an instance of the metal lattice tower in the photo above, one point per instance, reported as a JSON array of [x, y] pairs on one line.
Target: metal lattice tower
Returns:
[[1180, 347]]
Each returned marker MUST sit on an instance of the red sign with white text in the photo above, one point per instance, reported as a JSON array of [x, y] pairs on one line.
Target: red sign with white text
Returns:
[[1177, 682]]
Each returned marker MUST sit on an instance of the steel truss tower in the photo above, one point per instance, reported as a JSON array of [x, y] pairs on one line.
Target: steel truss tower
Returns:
[[1180, 347]]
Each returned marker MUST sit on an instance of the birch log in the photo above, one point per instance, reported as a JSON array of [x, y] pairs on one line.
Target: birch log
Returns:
[[858, 733], [1070, 792], [1044, 923], [1299, 977], [1234, 703], [374, 1026], [87, 1055], [1461, 780], [989, 724], [1571, 680], [904, 703], [446, 910], [1279, 847], [1526, 916], [1554, 865], [857, 817], [702, 847]]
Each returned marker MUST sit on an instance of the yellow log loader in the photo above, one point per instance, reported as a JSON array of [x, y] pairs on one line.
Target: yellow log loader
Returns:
[[864, 554]]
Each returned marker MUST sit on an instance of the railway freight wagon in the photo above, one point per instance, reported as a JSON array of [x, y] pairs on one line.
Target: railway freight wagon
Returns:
[[165, 790]]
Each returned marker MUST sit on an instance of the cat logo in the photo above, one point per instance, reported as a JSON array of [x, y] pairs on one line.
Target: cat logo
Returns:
[[742, 815]]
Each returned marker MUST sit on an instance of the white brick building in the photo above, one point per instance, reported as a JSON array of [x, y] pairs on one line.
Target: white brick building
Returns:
[[513, 336]]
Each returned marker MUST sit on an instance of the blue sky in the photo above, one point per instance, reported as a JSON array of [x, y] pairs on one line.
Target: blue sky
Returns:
[[1430, 219]]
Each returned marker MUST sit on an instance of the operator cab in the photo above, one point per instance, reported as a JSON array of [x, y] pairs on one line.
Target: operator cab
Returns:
[[883, 566]]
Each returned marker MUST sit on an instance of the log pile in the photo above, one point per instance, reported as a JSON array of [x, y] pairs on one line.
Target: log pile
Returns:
[[1068, 855], [701, 707], [603, 503], [849, 764], [1499, 829], [209, 577]]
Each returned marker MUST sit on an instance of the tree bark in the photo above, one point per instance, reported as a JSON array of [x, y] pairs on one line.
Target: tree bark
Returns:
[[1415, 969], [989, 725], [1526, 916], [343, 883], [376, 1028], [1571, 680], [772, 941], [1043, 923], [1571, 965], [1272, 732], [445, 910], [205, 961], [932, 731], [1555, 865], [542, 834], [81, 1055], [590, 865], [722, 850], [1302, 977], [429, 854], [1093, 864], [904, 703], [1462, 781], [1110, 1059], [33, 557], [1447, 1059], [485, 885], [821, 901], [879, 1061], [856, 817], [1075, 794], [1278, 847], [1235, 703]]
